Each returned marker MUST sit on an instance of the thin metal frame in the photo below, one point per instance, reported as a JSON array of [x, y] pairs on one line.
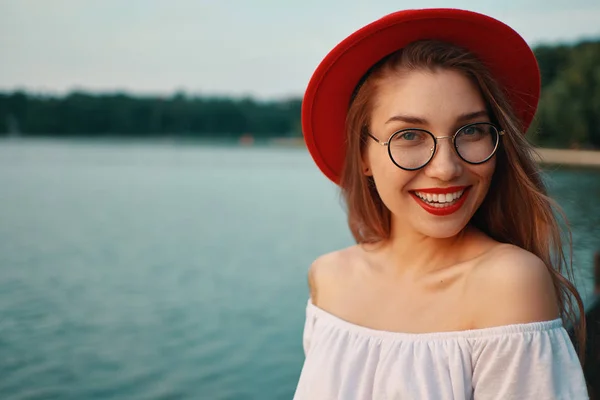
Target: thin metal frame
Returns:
[[435, 143]]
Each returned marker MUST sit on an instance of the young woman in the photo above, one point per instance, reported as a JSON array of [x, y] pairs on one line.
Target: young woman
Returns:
[[455, 288]]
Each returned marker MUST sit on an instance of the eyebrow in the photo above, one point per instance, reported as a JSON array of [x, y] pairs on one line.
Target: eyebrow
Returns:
[[409, 119]]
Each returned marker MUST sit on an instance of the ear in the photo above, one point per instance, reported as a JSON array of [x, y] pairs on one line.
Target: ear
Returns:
[[366, 166]]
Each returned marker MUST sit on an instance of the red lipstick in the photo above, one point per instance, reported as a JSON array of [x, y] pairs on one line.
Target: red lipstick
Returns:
[[447, 210], [451, 189]]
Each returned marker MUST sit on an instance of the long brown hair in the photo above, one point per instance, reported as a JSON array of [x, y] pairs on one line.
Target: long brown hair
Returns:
[[517, 208]]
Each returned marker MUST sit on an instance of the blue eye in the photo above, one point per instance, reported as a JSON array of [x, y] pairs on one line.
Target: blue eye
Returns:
[[409, 136], [471, 130]]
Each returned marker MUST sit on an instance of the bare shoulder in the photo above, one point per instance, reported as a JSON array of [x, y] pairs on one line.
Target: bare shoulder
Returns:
[[510, 285], [328, 271]]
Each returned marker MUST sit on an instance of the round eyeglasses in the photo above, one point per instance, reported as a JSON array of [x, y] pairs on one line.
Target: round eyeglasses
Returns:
[[413, 148]]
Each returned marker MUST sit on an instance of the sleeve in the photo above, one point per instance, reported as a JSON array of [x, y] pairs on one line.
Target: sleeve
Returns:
[[308, 328], [536, 364]]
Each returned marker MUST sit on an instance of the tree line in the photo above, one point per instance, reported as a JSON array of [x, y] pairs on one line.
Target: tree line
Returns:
[[569, 109], [120, 114], [568, 115]]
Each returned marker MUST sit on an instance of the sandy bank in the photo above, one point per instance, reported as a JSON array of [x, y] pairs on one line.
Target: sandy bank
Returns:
[[584, 158]]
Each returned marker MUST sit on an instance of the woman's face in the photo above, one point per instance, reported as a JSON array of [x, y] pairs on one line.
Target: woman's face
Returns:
[[439, 199]]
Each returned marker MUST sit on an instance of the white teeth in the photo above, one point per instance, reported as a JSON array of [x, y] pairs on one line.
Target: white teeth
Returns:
[[439, 200]]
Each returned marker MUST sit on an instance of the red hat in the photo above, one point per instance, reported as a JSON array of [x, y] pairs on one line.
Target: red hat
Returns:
[[324, 108]]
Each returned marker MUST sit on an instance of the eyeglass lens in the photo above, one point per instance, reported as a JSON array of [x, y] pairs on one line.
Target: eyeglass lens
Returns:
[[413, 148]]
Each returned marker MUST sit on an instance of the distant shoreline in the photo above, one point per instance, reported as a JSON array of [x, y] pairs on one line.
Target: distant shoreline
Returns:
[[547, 156], [579, 158]]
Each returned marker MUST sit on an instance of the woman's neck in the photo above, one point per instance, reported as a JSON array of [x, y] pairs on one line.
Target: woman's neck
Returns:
[[410, 252]]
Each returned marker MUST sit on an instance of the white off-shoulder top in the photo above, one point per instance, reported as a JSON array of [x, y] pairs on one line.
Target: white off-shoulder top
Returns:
[[345, 361]]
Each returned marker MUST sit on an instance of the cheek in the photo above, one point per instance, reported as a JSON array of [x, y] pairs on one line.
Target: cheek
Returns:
[[485, 172], [389, 179], [374, 158], [381, 167], [488, 170]]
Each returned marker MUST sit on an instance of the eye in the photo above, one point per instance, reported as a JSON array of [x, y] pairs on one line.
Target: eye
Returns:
[[475, 132], [471, 130], [412, 136], [409, 136], [411, 139]]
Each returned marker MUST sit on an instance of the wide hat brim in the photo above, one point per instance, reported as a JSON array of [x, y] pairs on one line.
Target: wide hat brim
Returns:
[[325, 105]]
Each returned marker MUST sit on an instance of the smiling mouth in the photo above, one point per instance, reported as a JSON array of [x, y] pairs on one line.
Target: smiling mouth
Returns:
[[440, 200], [441, 204]]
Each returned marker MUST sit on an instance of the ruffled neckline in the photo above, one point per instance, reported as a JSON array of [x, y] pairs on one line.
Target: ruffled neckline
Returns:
[[502, 330]]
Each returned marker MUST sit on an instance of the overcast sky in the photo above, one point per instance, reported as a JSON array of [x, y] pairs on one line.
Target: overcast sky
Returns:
[[262, 48]]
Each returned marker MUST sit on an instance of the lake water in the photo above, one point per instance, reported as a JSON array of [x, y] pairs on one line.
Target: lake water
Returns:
[[170, 271]]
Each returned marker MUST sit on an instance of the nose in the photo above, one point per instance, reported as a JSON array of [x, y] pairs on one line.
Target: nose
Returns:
[[446, 165]]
